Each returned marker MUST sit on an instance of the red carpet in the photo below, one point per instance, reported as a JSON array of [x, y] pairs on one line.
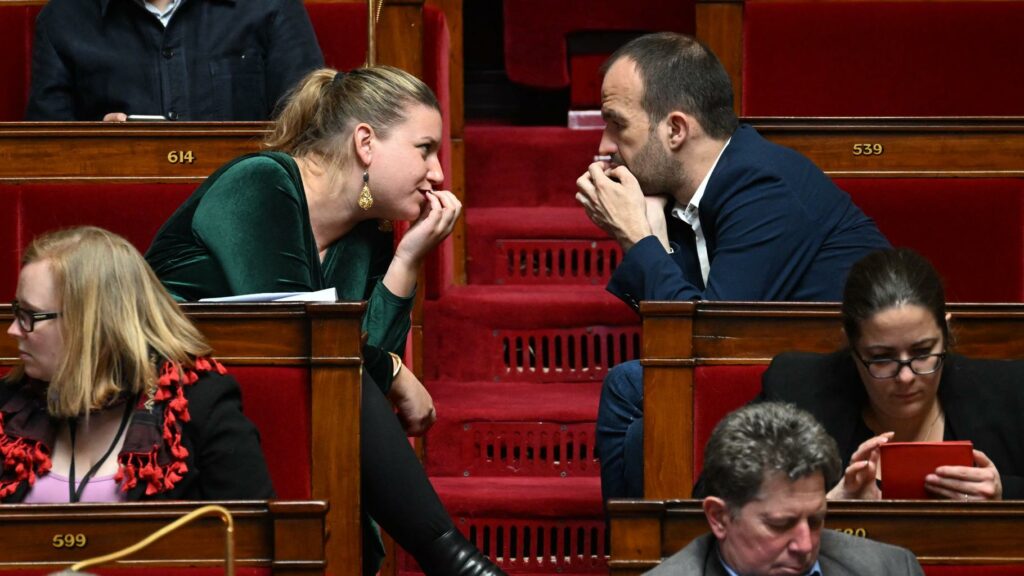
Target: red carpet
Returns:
[[515, 359]]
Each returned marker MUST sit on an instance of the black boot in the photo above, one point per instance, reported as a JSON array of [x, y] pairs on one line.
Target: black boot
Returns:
[[452, 555]]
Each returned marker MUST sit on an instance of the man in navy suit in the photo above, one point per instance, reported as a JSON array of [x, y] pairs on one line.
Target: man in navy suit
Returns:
[[703, 208]]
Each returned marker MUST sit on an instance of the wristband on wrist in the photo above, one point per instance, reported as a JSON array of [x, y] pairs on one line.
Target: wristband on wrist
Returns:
[[396, 364]]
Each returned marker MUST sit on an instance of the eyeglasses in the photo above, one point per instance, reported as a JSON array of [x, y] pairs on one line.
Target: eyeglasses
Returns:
[[890, 367], [27, 319]]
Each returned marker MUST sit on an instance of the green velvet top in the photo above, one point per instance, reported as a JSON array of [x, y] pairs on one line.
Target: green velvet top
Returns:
[[247, 230]]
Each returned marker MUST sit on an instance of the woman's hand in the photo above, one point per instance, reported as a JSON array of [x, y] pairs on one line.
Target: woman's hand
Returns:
[[980, 482], [412, 401], [435, 223], [858, 482]]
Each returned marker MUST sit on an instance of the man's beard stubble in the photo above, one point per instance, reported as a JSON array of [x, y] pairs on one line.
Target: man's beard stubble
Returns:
[[658, 172]]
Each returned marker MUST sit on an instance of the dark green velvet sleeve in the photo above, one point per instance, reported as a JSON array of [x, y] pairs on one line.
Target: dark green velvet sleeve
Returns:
[[257, 228]]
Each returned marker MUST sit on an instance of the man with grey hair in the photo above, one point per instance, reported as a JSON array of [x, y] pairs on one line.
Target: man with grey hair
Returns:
[[766, 468]]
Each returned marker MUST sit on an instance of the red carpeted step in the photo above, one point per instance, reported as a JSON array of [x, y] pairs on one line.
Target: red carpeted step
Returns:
[[537, 246], [526, 166], [529, 525], [527, 334], [513, 429]]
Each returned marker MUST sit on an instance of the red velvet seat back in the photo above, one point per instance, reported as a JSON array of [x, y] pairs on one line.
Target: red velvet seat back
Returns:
[[812, 58], [718, 390], [971, 229], [341, 32], [17, 25], [277, 400], [135, 211], [536, 33]]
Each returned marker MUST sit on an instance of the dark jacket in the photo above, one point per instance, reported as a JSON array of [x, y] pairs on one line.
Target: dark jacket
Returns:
[[839, 555], [224, 460], [776, 228], [216, 60]]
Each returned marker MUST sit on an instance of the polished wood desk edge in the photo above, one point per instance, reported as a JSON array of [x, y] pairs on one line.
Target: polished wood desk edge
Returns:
[[967, 124], [170, 509], [619, 508], [656, 309], [134, 129]]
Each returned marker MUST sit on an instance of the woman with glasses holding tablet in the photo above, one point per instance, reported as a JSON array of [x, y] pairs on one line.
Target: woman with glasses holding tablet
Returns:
[[898, 381]]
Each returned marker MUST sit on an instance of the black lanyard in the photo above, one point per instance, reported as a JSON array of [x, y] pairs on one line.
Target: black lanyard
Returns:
[[76, 495]]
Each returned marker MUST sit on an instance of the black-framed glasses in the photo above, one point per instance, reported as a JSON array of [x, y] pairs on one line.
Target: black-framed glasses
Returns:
[[27, 319], [922, 365]]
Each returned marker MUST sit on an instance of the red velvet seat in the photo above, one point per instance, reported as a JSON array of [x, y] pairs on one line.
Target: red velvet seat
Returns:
[[971, 229], [718, 390], [536, 33], [17, 25], [277, 400], [878, 58]]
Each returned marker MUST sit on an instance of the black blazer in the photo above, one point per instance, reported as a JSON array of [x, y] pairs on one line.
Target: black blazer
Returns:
[[983, 401], [224, 459]]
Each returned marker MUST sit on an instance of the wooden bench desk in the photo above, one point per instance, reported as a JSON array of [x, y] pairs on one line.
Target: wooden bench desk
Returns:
[[938, 532], [903, 147], [284, 536], [112, 152], [326, 340], [679, 336]]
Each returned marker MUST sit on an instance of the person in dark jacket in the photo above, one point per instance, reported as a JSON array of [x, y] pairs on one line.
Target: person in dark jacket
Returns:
[[198, 60], [900, 381], [704, 209]]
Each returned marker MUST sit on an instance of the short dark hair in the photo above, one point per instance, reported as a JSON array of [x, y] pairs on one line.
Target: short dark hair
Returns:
[[760, 439], [678, 72], [890, 278]]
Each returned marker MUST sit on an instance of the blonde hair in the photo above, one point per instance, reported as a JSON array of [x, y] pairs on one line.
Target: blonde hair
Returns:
[[116, 319], [322, 110]]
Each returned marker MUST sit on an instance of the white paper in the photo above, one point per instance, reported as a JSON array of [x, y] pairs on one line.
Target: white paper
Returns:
[[326, 295]]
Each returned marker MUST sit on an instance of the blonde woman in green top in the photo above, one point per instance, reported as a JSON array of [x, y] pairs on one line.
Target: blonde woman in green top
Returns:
[[347, 152]]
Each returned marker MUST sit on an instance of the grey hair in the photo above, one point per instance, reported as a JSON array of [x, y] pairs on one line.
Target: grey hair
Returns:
[[762, 439]]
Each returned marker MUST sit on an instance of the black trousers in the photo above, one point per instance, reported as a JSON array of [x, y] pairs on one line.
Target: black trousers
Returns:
[[396, 492]]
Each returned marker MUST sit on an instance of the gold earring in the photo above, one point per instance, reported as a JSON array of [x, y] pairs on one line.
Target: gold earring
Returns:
[[365, 197]]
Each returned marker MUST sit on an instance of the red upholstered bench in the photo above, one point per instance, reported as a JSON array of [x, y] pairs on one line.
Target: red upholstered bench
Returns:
[[537, 33], [135, 211], [879, 58], [277, 400], [972, 229], [718, 390], [17, 25]]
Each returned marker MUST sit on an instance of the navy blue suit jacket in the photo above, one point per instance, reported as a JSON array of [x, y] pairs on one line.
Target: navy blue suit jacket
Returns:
[[776, 228]]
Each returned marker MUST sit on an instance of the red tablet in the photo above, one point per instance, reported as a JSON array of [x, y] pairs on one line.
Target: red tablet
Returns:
[[905, 464]]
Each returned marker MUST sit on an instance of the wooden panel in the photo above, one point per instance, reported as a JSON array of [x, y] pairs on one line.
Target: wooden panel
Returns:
[[400, 36], [938, 532], [924, 147], [720, 27], [930, 147], [139, 152], [336, 400], [286, 536], [458, 180], [678, 336]]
